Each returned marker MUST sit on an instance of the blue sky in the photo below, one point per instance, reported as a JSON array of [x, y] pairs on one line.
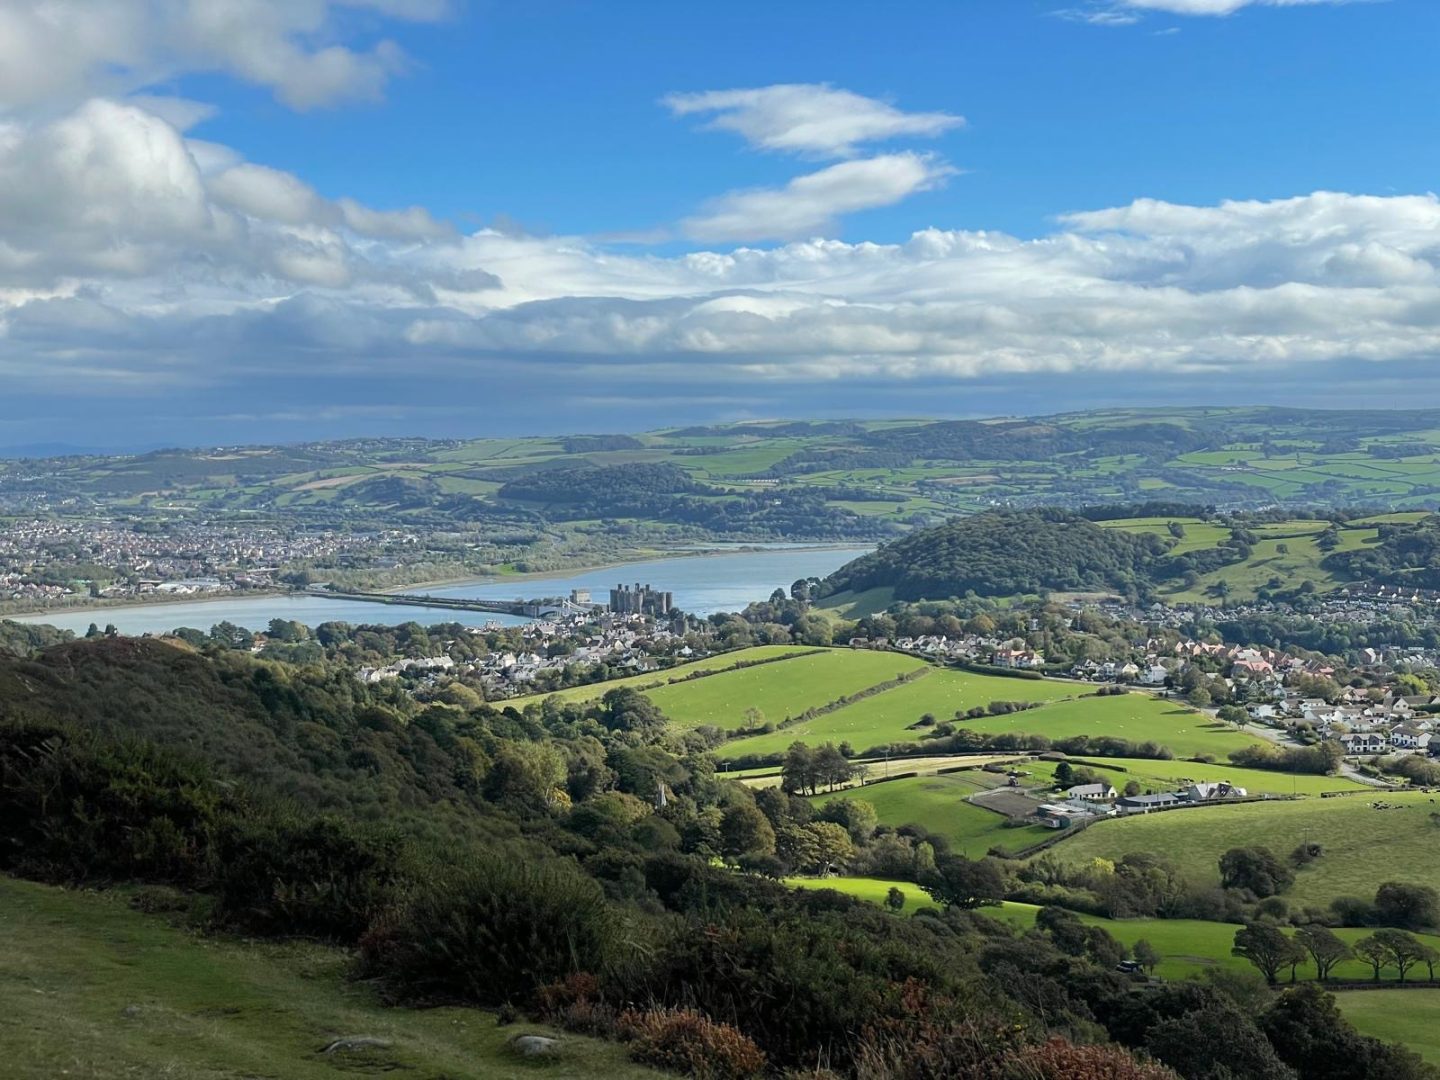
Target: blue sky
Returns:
[[309, 218]]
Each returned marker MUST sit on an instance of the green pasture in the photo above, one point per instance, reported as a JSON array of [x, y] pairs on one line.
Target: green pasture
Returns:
[[1136, 716], [770, 654], [1411, 1017], [938, 803], [1363, 846], [886, 717], [779, 690]]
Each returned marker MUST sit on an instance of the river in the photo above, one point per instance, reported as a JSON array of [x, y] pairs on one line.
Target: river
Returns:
[[701, 584]]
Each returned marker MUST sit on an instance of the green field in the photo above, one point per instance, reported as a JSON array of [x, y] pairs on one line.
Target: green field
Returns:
[[1411, 1017], [1363, 846], [721, 662], [93, 989], [886, 717], [938, 803], [1186, 946], [1136, 716], [779, 690]]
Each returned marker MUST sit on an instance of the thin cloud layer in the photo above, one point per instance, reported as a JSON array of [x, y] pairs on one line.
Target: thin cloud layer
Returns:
[[811, 205], [808, 118], [1129, 12]]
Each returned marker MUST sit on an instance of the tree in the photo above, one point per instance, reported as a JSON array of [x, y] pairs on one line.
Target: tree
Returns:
[[1132, 787], [1064, 774], [1374, 952], [796, 847], [1199, 697], [894, 899], [1255, 869], [1145, 955], [1405, 951], [1409, 907], [833, 847], [1233, 714], [797, 771], [1324, 947], [858, 817], [965, 883], [745, 830], [1268, 948]]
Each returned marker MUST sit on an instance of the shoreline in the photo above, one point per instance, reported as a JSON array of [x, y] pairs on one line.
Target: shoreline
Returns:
[[648, 555]]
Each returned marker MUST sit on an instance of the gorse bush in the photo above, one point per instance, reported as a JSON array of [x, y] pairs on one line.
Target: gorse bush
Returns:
[[495, 930]]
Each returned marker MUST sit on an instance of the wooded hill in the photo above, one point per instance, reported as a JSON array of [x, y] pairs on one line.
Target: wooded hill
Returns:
[[1005, 553]]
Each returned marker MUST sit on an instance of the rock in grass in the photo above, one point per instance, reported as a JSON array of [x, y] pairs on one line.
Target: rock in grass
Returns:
[[535, 1046], [351, 1043]]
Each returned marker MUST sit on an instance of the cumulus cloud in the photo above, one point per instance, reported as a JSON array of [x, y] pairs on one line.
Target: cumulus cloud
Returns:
[[808, 118], [1150, 289], [810, 205], [112, 192], [56, 50]]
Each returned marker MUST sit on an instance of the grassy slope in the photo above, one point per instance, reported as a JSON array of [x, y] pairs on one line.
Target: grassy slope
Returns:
[[1402, 1016], [779, 690], [72, 965], [1363, 846], [722, 662], [885, 717], [938, 803], [1135, 716]]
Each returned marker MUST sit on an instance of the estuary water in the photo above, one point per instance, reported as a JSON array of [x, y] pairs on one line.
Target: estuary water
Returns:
[[701, 584]]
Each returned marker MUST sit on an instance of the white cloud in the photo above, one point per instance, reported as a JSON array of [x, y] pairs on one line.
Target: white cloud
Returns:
[[1150, 288], [111, 192], [58, 50], [1128, 12], [808, 118], [810, 205]]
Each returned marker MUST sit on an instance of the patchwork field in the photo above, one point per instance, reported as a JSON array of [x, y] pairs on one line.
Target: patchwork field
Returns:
[[722, 662], [1363, 846], [93, 989], [779, 690], [1138, 717], [885, 717], [938, 803]]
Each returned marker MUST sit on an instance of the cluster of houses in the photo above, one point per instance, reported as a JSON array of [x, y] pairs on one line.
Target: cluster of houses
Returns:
[[1085, 802], [632, 644], [1396, 724]]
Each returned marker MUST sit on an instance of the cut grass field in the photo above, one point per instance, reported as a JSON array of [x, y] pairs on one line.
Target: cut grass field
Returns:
[[938, 803], [95, 990], [721, 662], [885, 718], [779, 690], [1363, 846]]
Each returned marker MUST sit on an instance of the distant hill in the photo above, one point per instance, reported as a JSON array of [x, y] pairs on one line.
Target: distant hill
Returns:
[[1003, 553]]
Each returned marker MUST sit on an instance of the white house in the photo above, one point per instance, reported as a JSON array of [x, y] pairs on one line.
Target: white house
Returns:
[[1364, 742], [1091, 792]]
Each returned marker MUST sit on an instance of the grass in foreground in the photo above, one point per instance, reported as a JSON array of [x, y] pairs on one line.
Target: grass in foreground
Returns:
[[95, 990]]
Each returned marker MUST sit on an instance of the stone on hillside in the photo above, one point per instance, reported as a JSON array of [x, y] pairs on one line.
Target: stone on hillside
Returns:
[[534, 1046], [350, 1043]]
